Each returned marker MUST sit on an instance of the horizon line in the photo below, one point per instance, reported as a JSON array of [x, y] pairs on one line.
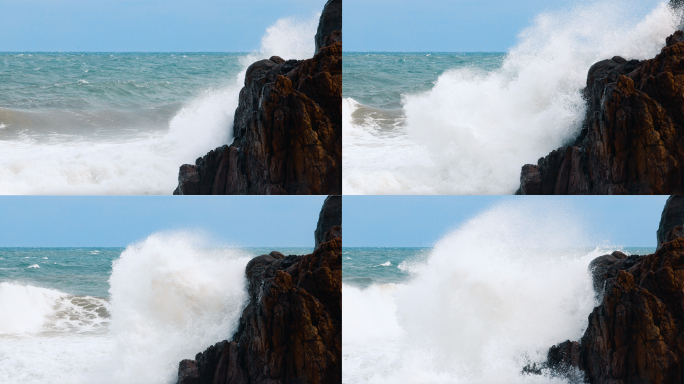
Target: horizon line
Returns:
[[343, 51], [2, 52]]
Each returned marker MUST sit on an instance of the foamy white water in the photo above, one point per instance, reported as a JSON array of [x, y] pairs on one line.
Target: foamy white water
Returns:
[[170, 297], [146, 162], [474, 130], [492, 297]]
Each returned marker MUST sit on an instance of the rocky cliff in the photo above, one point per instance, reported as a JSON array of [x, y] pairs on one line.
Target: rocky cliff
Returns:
[[636, 334], [287, 127], [632, 141], [291, 330]]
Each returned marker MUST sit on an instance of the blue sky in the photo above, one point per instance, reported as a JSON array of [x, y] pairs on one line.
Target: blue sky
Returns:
[[143, 25], [419, 221], [117, 221], [448, 25]]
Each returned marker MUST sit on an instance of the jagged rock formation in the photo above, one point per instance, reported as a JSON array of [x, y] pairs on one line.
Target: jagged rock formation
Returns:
[[287, 127], [632, 141], [330, 216], [291, 330], [330, 21], [672, 216], [636, 334]]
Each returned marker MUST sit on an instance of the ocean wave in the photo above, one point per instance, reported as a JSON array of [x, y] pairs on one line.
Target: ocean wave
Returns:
[[146, 162], [170, 297], [30, 310], [473, 132], [493, 296]]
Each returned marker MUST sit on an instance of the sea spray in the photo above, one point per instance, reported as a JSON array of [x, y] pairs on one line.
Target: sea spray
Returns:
[[476, 129], [26, 308], [492, 296], [171, 298], [132, 161]]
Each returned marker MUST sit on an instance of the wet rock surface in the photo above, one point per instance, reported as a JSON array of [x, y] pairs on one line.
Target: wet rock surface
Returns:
[[287, 127], [291, 330], [636, 334], [632, 141]]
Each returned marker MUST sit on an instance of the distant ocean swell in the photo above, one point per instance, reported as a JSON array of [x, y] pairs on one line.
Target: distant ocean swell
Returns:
[[477, 307], [170, 297], [475, 128], [115, 124]]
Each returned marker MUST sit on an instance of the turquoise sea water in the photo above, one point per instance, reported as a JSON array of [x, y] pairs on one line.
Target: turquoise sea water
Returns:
[[56, 94], [380, 79], [115, 315], [363, 267], [123, 123], [466, 123], [111, 123], [79, 271]]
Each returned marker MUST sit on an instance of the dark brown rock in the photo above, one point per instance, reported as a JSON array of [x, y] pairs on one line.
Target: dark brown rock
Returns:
[[632, 141], [636, 334], [287, 128], [606, 267], [291, 330], [329, 217], [188, 373], [330, 21], [672, 216]]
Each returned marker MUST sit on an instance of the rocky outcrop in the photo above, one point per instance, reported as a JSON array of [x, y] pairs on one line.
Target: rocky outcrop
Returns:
[[291, 329], [636, 334], [632, 141], [672, 216], [330, 216], [330, 21], [287, 127]]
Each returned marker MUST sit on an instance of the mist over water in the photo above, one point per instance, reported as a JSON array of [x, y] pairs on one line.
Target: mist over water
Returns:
[[169, 297], [123, 123], [475, 128], [489, 298]]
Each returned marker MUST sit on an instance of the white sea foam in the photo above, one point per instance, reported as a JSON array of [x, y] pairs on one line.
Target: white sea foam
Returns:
[[146, 164], [25, 309], [34, 266], [169, 300], [493, 296], [474, 131], [171, 297]]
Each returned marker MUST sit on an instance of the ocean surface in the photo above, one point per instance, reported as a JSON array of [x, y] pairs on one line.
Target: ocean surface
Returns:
[[466, 123], [122, 123], [488, 299], [117, 315]]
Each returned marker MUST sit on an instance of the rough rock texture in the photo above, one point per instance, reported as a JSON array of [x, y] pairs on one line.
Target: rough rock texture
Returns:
[[672, 216], [287, 128], [636, 334], [291, 330], [330, 21], [330, 216], [632, 141]]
